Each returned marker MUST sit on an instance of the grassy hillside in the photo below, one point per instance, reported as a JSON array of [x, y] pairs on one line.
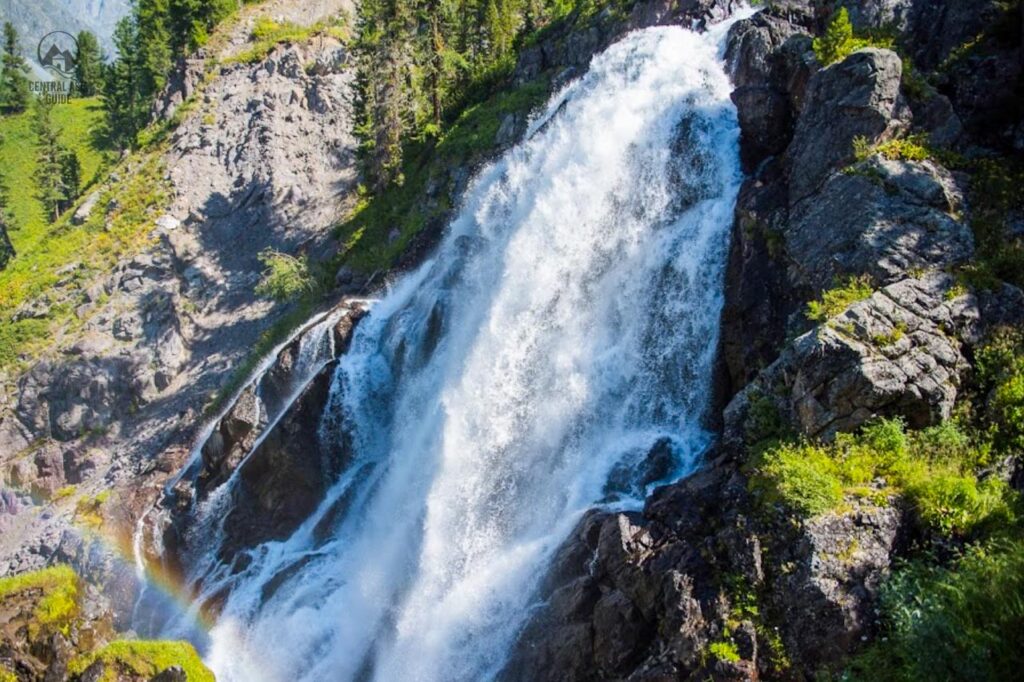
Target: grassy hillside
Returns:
[[80, 125], [53, 259]]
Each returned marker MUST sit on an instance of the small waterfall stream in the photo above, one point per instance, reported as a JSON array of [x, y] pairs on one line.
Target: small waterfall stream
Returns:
[[566, 325]]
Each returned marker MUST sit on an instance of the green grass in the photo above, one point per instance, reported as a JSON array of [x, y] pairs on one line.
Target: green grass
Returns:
[[145, 659], [96, 245], [839, 298], [933, 469], [59, 604], [402, 207], [963, 622], [80, 124], [268, 34]]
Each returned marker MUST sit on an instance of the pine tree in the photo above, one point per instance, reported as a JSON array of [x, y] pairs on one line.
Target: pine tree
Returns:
[[88, 65], [124, 98], [14, 86], [838, 40], [190, 22], [51, 161], [154, 44]]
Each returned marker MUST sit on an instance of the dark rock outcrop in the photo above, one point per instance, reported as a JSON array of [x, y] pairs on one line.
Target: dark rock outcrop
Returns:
[[642, 596]]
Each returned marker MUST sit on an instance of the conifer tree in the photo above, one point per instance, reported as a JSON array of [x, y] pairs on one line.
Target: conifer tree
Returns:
[[838, 40], [14, 86], [124, 97], [57, 167], [88, 65]]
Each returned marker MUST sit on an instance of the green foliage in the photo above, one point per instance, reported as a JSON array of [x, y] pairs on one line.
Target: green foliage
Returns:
[[58, 604], [366, 234], [284, 277], [126, 88], [839, 298], [933, 469], [58, 173], [888, 339], [88, 65], [1000, 369], [94, 246], [14, 86], [143, 659], [801, 476], [964, 622], [724, 650], [420, 63], [910, 148], [839, 41]]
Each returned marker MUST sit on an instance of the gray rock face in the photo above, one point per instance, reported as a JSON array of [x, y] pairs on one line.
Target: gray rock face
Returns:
[[857, 97], [825, 605], [165, 329], [892, 354], [879, 217]]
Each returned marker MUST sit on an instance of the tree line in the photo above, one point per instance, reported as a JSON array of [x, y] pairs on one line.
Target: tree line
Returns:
[[419, 59]]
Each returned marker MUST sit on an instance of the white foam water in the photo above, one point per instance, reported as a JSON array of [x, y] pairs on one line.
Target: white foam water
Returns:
[[567, 323]]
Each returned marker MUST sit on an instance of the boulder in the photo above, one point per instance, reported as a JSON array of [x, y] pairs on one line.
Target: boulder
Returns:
[[857, 97], [878, 217], [892, 354]]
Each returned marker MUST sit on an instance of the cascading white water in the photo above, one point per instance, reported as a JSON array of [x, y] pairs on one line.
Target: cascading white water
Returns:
[[567, 323]]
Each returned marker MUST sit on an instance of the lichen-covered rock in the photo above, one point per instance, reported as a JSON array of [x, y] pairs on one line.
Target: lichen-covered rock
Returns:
[[857, 97]]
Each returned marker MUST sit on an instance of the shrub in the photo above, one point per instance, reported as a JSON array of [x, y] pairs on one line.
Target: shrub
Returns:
[[933, 469], [724, 650], [802, 477], [910, 148], [839, 41], [284, 276], [965, 622], [1000, 368], [839, 298]]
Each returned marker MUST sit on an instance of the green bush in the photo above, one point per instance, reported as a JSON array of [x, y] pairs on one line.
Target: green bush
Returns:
[[1000, 367], [933, 469], [724, 650], [839, 41], [910, 148], [284, 276], [965, 622], [839, 298]]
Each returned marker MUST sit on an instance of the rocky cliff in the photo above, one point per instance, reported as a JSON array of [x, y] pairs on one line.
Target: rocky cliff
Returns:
[[704, 583], [263, 158], [844, 206]]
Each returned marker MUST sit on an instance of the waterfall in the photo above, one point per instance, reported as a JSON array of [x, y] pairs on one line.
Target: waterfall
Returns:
[[567, 324]]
